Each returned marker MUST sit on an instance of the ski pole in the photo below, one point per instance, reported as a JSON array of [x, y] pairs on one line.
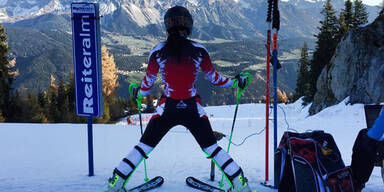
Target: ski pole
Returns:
[[138, 101], [238, 96]]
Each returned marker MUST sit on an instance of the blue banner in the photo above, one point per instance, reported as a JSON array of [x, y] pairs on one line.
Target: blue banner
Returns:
[[87, 59]]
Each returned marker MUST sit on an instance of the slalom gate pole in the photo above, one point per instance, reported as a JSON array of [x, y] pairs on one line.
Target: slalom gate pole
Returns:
[[238, 96], [269, 20], [276, 27]]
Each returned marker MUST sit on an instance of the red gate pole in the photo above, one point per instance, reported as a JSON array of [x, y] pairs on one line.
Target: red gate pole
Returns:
[[267, 107], [269, 20]]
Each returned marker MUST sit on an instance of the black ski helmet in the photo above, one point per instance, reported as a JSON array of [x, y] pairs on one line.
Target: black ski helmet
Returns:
[[178, 18]]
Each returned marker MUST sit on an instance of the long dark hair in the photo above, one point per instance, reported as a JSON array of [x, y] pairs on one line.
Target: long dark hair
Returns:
[[176, 45]]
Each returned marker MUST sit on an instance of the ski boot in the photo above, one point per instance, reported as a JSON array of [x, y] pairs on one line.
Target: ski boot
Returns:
[[116, 183], [240, 184]]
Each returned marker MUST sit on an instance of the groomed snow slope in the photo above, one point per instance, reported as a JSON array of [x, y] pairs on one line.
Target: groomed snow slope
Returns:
[[53, 157]]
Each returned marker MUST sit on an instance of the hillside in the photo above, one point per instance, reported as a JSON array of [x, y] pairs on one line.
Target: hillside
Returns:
[[50, 52]]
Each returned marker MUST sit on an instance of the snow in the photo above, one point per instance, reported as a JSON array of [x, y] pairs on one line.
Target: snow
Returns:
[[53, 157], [107, 8], [142, 16], [3, 14], [193, 2]]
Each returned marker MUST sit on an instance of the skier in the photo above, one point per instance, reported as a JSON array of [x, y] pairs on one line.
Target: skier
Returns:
[[364, 152], [179, 60]]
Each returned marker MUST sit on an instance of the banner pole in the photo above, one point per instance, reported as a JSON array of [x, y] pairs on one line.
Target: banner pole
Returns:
[[90, 147]]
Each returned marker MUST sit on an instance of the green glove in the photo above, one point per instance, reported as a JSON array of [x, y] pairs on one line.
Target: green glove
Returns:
[[134, 90], [241, 81]]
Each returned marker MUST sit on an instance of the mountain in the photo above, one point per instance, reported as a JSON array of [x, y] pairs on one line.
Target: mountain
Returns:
[[225, 19], [356, 69], [49, 53], [233, 30]]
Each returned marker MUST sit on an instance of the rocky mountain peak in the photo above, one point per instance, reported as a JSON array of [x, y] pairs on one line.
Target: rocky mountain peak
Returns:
[[356, 69]]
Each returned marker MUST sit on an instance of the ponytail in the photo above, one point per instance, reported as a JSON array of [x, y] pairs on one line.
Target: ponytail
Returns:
[[176, 45]]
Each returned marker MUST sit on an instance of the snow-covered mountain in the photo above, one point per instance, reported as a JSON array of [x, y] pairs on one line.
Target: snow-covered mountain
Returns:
[[16, 10], [227, 19]]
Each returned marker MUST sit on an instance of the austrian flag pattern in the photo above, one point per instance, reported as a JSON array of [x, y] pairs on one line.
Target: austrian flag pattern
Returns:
[[180, 77]]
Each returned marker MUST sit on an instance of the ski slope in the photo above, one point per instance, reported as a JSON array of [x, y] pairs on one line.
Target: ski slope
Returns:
[[53, 157]]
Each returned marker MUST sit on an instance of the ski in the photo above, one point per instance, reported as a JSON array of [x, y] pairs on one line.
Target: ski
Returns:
[[266, 184], [197, 184], [151, 184]]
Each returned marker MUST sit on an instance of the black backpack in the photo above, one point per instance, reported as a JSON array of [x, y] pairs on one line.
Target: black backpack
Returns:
[[310, 162]]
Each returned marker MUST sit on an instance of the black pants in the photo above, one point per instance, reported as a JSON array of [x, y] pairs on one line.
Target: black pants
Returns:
[[179, 112], [363, 158]]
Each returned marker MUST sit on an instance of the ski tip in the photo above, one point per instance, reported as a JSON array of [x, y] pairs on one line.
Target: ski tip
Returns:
[[188, 179], [160, 179], [266, 184]]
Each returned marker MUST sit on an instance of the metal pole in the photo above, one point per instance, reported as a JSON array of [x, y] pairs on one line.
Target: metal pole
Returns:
[[269, 20], [90, 147], [141, 130], [276, 27], [267, 108], [230, 136], [275, 94], [212, 175]]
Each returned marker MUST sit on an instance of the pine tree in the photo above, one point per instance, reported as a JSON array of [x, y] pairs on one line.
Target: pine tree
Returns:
[[32, 111], [42, 99], [70, 93], [325, 47], [118, 108], [63, 103], [2, 119], [302, 74], [15, 108], [106, 113], [7, 76], [360, 15], [343, 27], [348, 14]]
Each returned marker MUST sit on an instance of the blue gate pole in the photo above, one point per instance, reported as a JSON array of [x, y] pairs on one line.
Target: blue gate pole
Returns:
[[90, 147], [275, 98], [274, 52]]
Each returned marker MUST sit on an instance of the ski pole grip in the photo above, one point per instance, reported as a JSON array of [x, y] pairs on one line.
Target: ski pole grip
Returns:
[[240, 91], [130, 89]]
